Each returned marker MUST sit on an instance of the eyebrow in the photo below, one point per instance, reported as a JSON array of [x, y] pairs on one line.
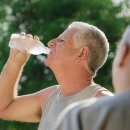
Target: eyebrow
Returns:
[[61, 38]]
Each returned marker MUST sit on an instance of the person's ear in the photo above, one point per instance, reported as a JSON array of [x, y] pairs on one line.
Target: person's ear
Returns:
[[82, 54], [123, 54]]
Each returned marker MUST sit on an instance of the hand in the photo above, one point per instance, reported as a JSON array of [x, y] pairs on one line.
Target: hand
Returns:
[[18, 57], [21, 56]]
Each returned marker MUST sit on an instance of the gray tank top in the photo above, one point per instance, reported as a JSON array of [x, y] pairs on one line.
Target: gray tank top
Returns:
[[56, 103]]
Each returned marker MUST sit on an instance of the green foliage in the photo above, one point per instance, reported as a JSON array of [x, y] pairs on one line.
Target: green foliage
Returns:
[[47, 19]]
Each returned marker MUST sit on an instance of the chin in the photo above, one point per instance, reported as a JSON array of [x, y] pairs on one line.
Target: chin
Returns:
[[47, 63]]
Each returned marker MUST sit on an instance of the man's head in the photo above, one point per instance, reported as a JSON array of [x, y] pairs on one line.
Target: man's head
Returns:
[[96, 41], [121, 64], [87, 43]]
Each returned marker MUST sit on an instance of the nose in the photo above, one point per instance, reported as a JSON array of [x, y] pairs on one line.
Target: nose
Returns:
[[52, 43]]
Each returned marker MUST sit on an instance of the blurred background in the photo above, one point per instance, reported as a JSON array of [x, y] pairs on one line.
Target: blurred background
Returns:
[[47, 19]]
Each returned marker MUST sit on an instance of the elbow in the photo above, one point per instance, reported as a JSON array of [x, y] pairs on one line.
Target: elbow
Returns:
[[2, 116]]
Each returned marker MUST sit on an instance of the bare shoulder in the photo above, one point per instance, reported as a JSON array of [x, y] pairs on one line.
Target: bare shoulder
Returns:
[[45, 93], [21, 110]]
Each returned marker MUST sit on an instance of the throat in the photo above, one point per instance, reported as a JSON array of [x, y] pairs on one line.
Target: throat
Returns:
[[72, 87], [73, 80]]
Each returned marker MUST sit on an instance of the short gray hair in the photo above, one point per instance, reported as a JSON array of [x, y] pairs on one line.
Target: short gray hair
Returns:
[[95, 40]]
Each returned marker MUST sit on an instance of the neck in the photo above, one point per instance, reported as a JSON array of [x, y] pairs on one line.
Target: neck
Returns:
[[73, 80]]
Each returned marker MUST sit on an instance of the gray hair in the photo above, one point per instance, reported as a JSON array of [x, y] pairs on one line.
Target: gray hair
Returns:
[[126, 36], [90, 36]]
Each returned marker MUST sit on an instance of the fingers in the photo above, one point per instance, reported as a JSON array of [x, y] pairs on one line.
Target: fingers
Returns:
[[23, 33], [13, 50], [29, 36], [36, 38], [16, 51]]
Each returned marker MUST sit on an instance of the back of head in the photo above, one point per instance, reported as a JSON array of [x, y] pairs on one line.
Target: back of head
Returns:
[[90, 36], [126, 36], [121, 64]]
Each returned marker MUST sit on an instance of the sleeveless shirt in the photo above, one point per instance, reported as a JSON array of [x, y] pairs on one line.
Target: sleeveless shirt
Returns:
[[56, 103]]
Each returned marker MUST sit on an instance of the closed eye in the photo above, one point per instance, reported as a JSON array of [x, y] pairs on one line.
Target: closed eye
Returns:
[[60, 42]]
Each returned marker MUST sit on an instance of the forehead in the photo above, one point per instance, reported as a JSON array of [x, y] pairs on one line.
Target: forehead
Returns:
[[68, 33]]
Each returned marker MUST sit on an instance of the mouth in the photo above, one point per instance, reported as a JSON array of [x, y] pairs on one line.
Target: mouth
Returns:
[[51, 51]]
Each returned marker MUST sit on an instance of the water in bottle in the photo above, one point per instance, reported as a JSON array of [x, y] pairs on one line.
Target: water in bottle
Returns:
[[29, 44]]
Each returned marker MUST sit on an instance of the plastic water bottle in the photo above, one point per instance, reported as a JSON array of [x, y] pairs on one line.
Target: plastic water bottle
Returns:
[[31, 45]]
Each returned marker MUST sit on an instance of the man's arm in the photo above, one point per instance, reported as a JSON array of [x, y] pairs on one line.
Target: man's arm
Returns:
[[10, 76], [27, 108], [21, 108]]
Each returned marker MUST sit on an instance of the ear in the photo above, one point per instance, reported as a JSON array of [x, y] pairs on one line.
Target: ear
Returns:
[[123, 54], [82, 54]]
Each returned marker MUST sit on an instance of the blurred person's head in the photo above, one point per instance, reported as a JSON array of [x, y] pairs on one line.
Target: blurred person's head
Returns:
[[121, 65], [81, 44]]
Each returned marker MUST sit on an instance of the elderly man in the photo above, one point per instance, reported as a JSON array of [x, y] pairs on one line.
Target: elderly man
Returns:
[[109, 113], [75, 57]]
